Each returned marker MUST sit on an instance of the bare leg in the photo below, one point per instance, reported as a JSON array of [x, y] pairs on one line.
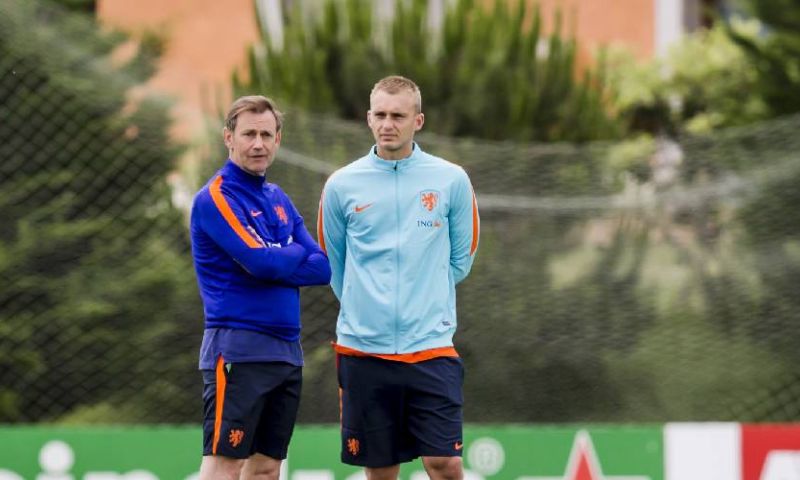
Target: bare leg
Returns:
[[261, 467], [214, 467], [443, 468]]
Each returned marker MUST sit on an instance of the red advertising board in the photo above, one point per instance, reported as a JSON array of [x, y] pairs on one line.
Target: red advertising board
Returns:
[[770, 451]]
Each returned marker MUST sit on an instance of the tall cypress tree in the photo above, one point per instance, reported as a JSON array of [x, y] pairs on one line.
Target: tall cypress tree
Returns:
[[96, 285]]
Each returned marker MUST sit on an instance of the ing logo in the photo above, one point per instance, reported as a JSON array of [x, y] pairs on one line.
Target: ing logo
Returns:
[[429, 199], [281, 214], [353, 446], [235, 437], [429, 223]]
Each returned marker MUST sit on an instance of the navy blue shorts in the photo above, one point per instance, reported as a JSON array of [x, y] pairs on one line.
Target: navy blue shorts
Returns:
[[394, 412], [249, 408]]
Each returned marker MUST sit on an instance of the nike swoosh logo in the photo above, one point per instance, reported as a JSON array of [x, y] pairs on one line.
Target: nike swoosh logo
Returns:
[[361, 208], [458, 445], [255, 213]]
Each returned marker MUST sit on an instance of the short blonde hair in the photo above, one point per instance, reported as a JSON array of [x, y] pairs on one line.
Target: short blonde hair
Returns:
[[255, 104], [395, 84]]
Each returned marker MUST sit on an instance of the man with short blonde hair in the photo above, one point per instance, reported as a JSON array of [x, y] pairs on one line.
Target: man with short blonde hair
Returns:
[[401, 228]]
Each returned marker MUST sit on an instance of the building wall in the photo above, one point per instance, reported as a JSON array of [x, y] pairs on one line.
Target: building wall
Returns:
[[596, 23], [206, 40]]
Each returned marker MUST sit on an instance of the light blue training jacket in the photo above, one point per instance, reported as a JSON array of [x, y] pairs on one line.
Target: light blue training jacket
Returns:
[[399, 236]]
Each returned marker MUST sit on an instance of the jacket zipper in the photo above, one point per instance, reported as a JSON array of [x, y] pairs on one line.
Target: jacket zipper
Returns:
[[397, 258]]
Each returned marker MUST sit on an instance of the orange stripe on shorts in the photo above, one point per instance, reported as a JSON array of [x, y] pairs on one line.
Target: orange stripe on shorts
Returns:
[[222, 382]]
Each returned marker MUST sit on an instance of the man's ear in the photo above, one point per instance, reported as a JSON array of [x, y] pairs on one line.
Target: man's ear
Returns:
[[278, 138], [369, 118], [419, 121], [227, 137]]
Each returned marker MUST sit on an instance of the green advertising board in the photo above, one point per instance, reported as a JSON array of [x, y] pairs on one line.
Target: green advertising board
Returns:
[[173, 453]]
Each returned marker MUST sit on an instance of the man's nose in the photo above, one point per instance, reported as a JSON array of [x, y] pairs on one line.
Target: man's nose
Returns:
[[259, 143]]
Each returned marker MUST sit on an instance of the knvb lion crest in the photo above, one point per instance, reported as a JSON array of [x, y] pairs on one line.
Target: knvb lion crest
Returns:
[[235, 437], [282, 214], [353, 446], [429, 199]]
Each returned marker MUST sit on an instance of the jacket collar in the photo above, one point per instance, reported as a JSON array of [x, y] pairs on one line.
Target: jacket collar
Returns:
[[234, 171], [402, 164]]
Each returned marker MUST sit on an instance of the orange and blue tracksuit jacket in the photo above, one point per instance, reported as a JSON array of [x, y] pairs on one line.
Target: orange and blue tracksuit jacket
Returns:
[[251, 252], [399, 235]]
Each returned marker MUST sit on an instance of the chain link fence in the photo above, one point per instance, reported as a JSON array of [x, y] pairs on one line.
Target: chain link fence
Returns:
[[615, 282], [639, 281]]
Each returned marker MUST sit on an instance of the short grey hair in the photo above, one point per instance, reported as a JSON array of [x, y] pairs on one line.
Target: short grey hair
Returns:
[[255, 104]]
